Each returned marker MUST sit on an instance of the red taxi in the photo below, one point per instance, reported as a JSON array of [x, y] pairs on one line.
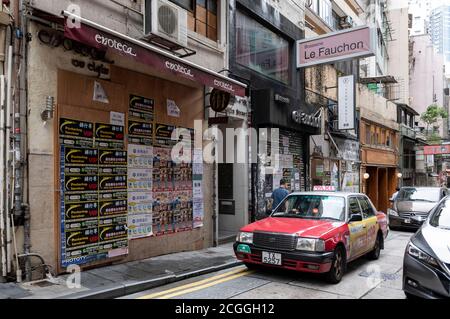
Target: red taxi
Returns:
[[317, 232]]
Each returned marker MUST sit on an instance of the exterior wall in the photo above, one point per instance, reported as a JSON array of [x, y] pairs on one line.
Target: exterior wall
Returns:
[[378, 159], [46, 61], [327, 167], [373, 17], [375, 108], [293, 10], [426, 76], [130, 22], [344, 6], [398, 50]]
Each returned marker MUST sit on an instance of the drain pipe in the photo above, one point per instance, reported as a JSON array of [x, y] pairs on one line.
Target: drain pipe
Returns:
[[21, 208], [2, 183], [8, 159]]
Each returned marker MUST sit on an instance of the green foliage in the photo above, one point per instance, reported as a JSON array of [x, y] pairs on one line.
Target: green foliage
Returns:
[[434, 138], [433, 113]]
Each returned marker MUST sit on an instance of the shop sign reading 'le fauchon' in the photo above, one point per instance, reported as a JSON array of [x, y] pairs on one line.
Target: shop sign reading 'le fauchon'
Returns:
[[342, 45]]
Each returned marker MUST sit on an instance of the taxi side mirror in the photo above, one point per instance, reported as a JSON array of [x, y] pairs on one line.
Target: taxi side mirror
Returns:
[[355, 218]]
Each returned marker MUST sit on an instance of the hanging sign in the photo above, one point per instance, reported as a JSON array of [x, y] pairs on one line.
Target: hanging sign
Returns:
[[338, 46], [346, 102]]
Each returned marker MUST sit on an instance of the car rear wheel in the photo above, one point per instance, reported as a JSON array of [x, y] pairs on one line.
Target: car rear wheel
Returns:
[[375, 253], [336, 272]]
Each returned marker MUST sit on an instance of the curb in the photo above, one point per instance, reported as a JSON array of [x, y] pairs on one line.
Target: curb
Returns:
[[120, 290]]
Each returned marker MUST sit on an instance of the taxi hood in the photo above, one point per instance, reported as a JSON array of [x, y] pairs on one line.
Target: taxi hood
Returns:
[[299, 226]]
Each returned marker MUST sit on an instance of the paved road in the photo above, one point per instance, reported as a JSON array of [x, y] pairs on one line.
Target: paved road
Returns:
[[379, 279]]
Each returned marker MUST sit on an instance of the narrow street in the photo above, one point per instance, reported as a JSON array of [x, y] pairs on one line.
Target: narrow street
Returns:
[[224, 149], [381, 279]]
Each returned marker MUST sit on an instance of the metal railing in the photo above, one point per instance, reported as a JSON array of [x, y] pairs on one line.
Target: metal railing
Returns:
[[407, 131]]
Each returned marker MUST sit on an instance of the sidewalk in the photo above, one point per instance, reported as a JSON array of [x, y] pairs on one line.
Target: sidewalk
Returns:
[[119, 280]]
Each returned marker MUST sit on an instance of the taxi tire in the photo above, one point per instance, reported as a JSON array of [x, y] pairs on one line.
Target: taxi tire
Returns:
[[335, 275], [376, 251]]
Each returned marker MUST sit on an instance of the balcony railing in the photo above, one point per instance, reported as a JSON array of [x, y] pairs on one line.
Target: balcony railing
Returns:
[[407, 131]]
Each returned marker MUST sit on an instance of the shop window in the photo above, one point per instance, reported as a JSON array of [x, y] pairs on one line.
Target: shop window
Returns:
[[261, 50], [202, 16]]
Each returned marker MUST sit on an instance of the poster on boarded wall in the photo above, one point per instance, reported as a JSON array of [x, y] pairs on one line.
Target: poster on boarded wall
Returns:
[[93, 201]]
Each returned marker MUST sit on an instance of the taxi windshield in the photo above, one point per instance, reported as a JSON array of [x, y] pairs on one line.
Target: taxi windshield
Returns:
[[312, 207]]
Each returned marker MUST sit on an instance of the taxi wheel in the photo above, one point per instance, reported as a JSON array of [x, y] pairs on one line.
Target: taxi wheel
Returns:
[[336, 272], [375, 253]]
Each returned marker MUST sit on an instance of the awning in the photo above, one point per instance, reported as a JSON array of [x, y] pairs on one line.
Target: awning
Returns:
[[385, 79], [407, 107], [102, 38]]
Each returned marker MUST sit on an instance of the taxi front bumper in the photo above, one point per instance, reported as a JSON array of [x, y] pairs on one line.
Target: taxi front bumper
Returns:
[[314, 262]]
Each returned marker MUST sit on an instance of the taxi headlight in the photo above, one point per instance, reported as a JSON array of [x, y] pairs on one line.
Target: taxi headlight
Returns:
[[245, 237], [310, 244]]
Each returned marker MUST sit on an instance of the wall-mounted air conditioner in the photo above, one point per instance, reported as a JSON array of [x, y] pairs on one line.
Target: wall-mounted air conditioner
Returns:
[[164, 19], [346, 22]]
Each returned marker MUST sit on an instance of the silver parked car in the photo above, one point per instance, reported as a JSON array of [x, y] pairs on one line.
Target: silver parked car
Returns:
[[426, 264], [411, 206]]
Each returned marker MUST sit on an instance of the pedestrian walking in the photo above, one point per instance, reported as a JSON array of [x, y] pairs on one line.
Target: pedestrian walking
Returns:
[[395, 194], [279, 194]]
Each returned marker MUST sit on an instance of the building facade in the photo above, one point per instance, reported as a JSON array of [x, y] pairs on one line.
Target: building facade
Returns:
[[116, 161], [335, 158], [427, 66], [439, 30]]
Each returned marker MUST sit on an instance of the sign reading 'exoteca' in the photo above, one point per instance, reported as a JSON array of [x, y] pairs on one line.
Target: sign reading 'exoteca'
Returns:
[[342, 45]]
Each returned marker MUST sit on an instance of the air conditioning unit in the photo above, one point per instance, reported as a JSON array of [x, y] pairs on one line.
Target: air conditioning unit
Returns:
[[346, 22], [166, 20]]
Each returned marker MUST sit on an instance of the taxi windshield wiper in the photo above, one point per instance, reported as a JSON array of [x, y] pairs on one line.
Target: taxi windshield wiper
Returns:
[[287, 215], [333, 218]]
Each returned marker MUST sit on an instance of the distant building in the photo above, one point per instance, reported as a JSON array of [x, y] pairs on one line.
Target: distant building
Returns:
[[439, 30], [426, 76]]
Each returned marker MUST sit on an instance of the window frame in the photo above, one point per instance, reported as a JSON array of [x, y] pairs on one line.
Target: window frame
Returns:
[[290, 78], [193, 11], [365, 215], [193, 2], [349, 214]]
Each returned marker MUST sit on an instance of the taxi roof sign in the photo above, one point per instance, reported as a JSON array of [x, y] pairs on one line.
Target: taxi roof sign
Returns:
[[324, 188]]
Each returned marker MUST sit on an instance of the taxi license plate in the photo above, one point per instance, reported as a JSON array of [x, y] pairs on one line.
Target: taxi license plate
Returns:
[[271, 258]]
